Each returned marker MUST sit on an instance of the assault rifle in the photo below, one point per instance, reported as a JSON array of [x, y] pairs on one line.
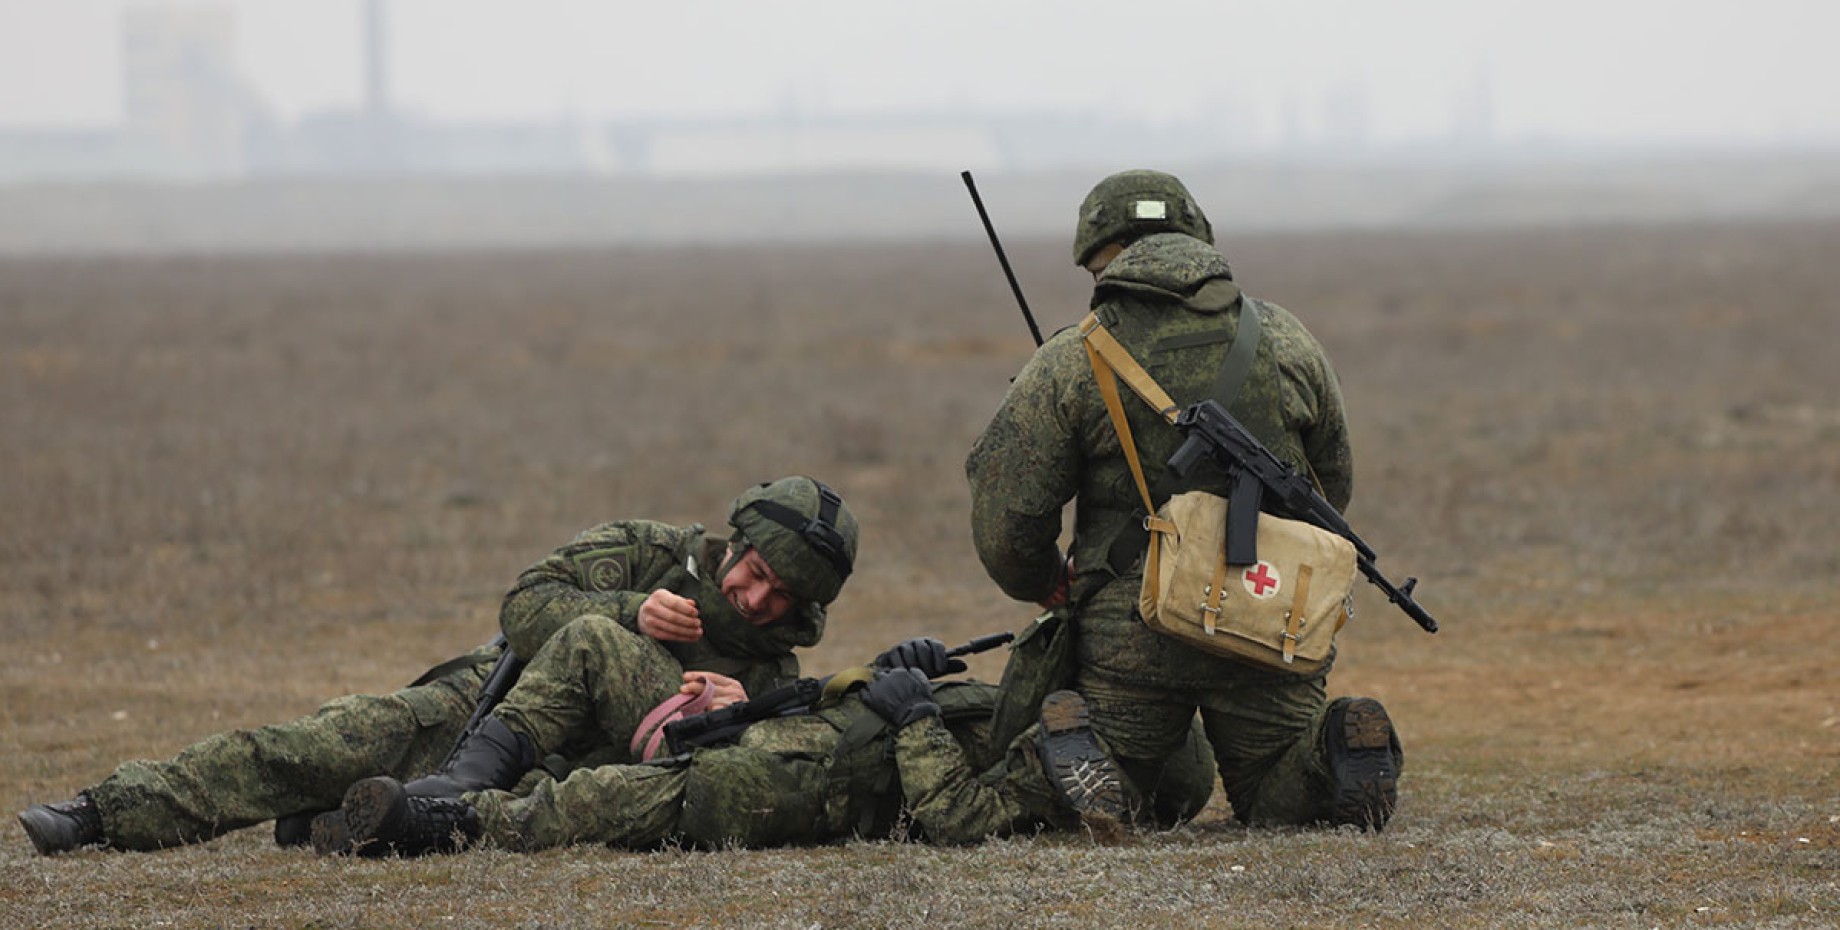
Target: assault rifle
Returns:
[[1211, 431], [717, 727]]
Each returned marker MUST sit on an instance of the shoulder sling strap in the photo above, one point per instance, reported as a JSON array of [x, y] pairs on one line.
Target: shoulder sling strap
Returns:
[[1111, 361]]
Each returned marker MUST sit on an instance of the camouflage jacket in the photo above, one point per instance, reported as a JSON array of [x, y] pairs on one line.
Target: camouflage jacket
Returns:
[[843, 771], [1170, 300], [611, 569]]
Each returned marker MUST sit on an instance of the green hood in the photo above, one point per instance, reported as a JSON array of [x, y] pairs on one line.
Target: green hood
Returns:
[[1174, 266]]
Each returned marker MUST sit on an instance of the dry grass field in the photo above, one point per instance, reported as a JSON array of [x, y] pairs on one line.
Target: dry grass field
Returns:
[[233, 488]]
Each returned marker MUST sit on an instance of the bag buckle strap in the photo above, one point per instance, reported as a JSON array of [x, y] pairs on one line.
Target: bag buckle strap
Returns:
[[1300, 599], [1214, 594], [1208, 611]]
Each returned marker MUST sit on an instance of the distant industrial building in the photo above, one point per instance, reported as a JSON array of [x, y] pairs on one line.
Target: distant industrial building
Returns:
[[185, 110], [190, 116]]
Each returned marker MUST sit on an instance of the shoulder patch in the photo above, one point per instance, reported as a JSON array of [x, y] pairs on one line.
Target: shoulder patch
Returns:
[[603, 569]]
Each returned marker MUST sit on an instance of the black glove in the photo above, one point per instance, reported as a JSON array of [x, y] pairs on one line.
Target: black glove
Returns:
[[923, 654], [900, 696]]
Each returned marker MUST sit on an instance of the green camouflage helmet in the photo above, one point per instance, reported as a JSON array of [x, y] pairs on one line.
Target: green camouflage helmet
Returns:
[[1131, 204], [804, 532]]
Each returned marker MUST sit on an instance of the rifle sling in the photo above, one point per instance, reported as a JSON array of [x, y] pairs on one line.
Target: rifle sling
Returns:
[[1111, 361], [1235, 368], [459, 662]]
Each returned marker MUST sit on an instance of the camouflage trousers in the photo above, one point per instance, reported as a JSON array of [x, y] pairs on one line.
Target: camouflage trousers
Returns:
[[584, 693], [1266, 736], [241, 778], [587, 689], [580, 698], [775, 789]]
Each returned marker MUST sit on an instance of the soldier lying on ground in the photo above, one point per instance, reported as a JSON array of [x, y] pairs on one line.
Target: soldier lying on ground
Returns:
[[892, 758], [736, 607]]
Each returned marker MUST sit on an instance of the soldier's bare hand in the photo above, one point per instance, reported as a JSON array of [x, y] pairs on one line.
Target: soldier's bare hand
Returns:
[[665, 616], [1061, 587], [727, 690]]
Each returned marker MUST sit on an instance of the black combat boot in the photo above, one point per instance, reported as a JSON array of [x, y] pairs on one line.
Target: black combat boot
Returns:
[[1088, 779], [492, 756], [382, 818], [329, 835], [293, 830], [1363, 756], [64, 826]]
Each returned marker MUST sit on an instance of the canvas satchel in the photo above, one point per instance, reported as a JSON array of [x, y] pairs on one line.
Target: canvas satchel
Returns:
[[1281, 612]]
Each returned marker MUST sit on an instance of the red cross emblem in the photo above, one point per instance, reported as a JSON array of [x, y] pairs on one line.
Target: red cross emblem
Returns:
[[1261, 580]]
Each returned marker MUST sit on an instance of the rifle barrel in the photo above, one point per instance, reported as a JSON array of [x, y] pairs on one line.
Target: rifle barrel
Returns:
[[1238, 449], [983, 643]]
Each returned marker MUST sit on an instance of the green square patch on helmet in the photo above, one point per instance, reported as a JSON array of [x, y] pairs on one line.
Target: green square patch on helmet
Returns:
[[1132, 204], [803, 530]]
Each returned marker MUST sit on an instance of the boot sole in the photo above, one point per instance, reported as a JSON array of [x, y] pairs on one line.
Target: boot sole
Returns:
[[1071, 756], [1366, 780], [1065, 711], [329, 835], [373, 807]]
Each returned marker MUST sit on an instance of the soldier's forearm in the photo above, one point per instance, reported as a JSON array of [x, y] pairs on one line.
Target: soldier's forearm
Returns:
[[1019, 551]]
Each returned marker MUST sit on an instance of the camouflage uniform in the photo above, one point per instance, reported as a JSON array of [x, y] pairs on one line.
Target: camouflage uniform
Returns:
[[244, 777], [797, 780], [585, 692], [786, 781], [1170, 299], [240, 778], [835, 771], [611, 569]]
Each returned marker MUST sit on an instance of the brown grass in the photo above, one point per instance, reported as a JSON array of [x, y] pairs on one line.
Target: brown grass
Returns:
[[235, 488]]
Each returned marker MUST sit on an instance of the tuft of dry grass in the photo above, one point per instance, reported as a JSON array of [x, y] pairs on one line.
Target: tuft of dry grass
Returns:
[[234, 488]]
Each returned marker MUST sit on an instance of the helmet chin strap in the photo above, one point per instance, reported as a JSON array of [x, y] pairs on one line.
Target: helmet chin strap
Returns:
[[738, 547]]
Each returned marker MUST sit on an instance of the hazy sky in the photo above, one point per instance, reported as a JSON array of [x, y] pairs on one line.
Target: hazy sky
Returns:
[[1591, 71]]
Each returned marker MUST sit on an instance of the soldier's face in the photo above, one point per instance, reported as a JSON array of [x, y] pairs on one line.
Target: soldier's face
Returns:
[[755, 591], [1102, 258]]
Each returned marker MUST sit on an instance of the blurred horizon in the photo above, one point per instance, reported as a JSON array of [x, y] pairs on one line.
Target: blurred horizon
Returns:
[[1030, 209]]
